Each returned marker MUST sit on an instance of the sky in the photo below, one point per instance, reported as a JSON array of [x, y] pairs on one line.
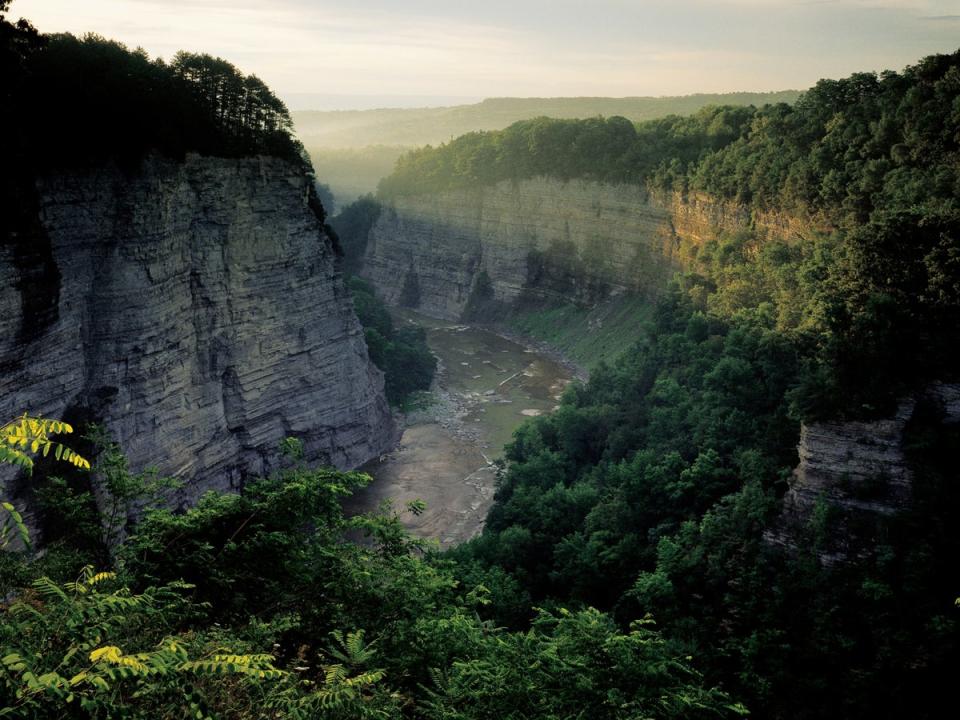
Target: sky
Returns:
[[339, 54]]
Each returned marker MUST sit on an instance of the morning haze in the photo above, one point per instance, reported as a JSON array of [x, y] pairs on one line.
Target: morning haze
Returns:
[[381, 49]]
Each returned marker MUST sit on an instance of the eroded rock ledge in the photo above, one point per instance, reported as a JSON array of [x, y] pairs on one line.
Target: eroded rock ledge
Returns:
[[855, 471]]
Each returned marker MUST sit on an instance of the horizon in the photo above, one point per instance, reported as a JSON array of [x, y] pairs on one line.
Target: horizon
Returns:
[[370, 55], [319, 102]]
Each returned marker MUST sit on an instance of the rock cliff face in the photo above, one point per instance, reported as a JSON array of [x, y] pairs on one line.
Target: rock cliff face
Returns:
[[200, 316], [538, 239], [544, 239], [856, 471], [697, 218]]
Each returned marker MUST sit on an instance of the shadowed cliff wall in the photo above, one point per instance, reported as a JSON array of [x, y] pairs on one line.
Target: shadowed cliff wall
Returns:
[[201, 317]]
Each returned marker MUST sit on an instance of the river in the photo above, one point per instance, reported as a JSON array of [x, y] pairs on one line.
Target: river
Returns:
[[486, 386]]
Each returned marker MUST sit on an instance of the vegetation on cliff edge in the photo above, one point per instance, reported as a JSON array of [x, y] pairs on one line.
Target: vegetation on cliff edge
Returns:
[[255, 604], [401, 352]]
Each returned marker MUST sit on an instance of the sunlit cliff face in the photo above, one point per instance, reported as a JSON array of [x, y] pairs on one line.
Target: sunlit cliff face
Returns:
[[526, 47]]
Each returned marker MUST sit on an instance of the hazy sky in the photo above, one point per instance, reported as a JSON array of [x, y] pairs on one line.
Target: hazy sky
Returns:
[[479, 48]]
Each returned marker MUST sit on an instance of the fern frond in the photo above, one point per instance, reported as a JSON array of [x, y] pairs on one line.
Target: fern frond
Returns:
[[48, 589], [10, 454], [11, 519]]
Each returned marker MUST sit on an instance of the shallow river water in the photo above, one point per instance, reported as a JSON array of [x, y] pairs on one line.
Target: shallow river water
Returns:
[[486, 386]]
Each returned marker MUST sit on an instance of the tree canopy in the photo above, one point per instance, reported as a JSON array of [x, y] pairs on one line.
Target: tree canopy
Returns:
[[80, 101]]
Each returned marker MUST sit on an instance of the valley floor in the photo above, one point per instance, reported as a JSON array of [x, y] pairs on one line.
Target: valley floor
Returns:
[[486, 386]]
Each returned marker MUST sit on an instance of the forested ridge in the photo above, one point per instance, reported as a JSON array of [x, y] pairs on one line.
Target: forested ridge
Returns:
[[652, 486], [875, 158], [420, 126], [891, 137]]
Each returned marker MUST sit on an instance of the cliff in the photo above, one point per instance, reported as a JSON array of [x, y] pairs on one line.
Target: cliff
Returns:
[[543, 240], [536, 240], [856, 471], [199, 314]]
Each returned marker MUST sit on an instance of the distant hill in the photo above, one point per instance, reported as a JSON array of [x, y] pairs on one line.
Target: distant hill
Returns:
[[353, 149], [422, 126]]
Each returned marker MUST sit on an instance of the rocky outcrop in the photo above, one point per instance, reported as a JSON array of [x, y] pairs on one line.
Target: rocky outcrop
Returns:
[[536, 240], [697, 218], [855, 472], [200, 317]]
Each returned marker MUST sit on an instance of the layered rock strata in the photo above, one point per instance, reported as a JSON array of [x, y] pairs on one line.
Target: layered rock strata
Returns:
[[855, 472], [537, 240], [200, 317]]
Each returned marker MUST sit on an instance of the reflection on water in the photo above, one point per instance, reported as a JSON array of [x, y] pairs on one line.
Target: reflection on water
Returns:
[[486, 387]]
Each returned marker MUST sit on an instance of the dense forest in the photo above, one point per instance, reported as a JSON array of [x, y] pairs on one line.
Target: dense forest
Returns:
[[122, 103], [256, 605], [652, 486], [401, 352], [353, 149]]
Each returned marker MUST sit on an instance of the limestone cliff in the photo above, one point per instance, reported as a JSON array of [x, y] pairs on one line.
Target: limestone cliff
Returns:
[[538, 239], [697, 217], [200, 315], [856, 471]]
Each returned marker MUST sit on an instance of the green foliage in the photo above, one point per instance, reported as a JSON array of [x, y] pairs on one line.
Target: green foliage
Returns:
[[872, 300], [224, 610], [587, 335], [12, 523], [260, 549], [122, 493], [562, 668], [482, 304], [353, 224], [60, 647], [650, 442], [354, 137], [651, 488], [609, 150], [20, 440], [124, 104], [402, 353], [26, 436]]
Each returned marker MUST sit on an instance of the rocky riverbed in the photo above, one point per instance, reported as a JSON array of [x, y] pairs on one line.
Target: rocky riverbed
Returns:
[[486, 386]]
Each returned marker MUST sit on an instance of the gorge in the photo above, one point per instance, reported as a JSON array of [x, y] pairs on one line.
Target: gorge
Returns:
[[610, 417]]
